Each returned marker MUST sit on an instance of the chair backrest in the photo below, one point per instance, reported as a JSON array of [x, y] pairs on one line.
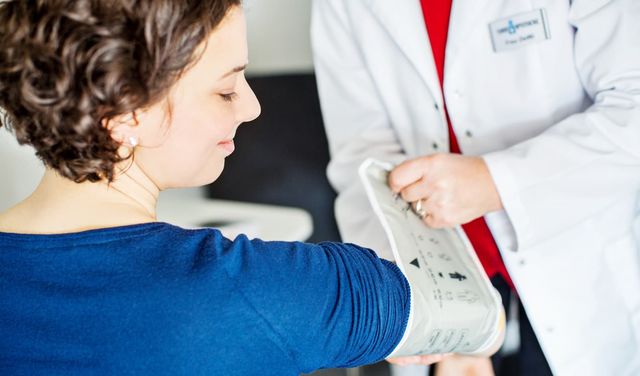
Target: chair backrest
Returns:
[[20, 170]]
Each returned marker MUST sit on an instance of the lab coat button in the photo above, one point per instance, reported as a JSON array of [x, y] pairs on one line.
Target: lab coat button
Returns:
[[468, 133], [435, 145], [435, 105], [522, 262], [550, 329]]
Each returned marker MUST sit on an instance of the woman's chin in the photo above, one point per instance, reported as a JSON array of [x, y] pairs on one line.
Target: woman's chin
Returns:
[[213, 176], [198, 181]]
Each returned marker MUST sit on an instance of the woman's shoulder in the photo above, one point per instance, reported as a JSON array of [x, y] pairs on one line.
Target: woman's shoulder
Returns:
[[13, 220], [152, 239]]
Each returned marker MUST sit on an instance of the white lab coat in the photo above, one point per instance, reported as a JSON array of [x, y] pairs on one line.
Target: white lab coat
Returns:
[[558, 123]]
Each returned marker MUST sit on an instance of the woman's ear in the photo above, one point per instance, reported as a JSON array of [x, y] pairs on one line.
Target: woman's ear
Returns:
[[124, 129]]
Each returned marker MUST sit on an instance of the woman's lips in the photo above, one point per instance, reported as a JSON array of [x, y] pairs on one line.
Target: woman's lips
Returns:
[[227, 145]]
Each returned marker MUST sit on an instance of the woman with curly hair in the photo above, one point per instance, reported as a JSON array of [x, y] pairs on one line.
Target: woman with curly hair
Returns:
[[122, 99]]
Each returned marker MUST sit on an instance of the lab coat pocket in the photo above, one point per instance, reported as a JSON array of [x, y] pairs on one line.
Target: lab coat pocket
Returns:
[[623, 261]]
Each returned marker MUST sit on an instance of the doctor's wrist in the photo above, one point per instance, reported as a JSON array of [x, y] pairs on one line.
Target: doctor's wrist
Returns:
[[493, 202]]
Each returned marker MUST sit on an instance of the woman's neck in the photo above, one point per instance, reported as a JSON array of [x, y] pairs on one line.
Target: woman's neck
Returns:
[[59, 205], [133, 187]]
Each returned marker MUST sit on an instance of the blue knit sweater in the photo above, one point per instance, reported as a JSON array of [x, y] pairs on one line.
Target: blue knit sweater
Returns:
[[158, 299]]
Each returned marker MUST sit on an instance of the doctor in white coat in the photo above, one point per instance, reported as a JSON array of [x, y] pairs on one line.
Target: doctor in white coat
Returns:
[[547, 115]]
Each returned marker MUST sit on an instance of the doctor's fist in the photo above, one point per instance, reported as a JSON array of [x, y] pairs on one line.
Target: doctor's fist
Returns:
[[446, 189]]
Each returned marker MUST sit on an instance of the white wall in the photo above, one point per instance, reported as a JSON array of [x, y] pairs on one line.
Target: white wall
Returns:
[[20, 170], [278, 34]]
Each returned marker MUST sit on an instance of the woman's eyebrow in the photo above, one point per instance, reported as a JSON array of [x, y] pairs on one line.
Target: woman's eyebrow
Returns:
[[234, 70]]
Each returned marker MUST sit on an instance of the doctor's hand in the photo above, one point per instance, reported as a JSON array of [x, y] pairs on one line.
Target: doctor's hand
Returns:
[[447, 189], [465, 365], [424, 360]]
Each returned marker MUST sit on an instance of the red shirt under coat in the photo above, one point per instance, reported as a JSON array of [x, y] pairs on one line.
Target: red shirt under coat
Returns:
[[436, 16]]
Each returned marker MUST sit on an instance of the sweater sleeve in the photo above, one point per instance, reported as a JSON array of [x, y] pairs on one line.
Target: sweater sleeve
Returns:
[[328, 305]]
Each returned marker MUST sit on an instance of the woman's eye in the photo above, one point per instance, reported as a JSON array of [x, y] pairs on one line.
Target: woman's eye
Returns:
[[228, 97]]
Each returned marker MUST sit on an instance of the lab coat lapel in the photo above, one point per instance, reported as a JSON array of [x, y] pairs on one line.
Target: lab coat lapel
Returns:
[[462, 22], [404, 22]]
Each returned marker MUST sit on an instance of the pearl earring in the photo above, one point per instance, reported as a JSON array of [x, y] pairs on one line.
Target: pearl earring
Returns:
[[133, 141]]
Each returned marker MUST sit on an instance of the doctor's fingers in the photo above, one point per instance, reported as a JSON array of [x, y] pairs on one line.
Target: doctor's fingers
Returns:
[[407, 173], [419, 190], [418, 359], [436, 214], [436, 221]]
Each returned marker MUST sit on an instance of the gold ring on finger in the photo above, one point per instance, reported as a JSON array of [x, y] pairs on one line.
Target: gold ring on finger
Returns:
[[419, 210]]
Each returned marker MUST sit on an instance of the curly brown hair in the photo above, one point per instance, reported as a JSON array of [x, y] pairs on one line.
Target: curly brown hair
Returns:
[[67, 66]]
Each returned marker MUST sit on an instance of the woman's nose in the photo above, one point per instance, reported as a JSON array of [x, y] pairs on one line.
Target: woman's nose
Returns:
[[250, 107]]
